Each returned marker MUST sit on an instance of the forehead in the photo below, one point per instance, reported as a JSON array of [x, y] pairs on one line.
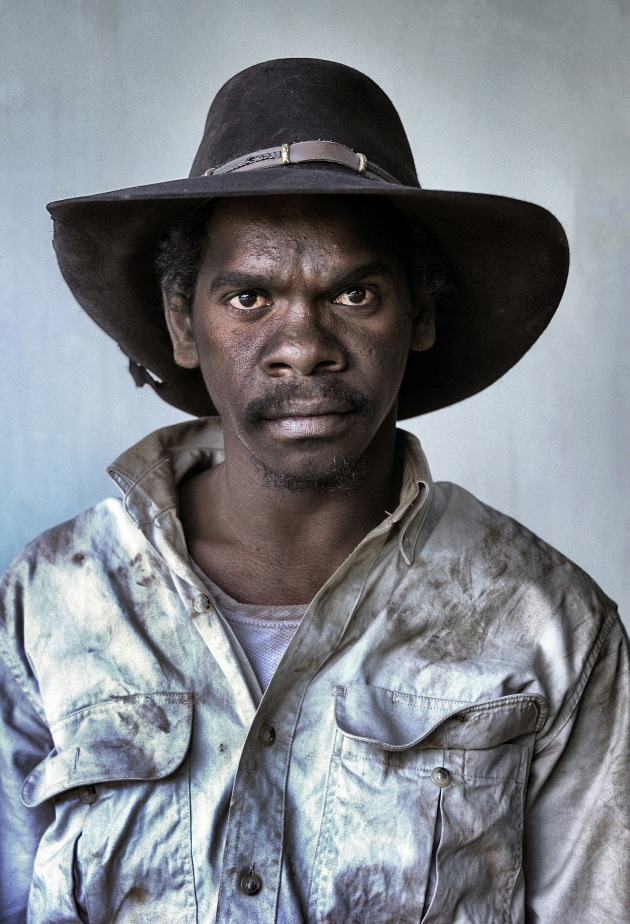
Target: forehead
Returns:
[[269, 226]]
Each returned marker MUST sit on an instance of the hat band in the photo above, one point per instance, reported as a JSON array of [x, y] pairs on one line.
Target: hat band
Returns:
[[301, 152]]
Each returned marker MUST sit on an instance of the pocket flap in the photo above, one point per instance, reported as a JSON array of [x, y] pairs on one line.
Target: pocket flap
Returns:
[[140, 737], [397, 721]]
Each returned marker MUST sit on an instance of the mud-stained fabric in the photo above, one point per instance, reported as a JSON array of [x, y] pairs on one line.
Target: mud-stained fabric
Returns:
[[445, 739], [263, 632]]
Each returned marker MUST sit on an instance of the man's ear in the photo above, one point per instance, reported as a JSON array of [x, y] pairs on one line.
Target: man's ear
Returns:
[[423, 330], [179, 323]]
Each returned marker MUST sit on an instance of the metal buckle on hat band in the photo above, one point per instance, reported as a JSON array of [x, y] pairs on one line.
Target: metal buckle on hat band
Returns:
[[301, 152]]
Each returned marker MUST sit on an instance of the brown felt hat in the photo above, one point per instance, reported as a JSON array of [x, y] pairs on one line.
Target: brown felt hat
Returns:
[[306, 126]]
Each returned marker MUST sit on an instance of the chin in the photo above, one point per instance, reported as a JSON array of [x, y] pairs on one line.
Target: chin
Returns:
[[340, 474]]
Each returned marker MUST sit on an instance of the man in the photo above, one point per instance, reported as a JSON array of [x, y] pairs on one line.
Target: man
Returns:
[[288, 677]]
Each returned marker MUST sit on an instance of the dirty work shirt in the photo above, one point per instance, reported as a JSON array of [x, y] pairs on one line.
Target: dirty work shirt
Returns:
[[263, 632], [445, 738]]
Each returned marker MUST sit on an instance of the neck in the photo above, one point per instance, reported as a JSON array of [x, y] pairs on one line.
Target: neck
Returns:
[[265, 541]]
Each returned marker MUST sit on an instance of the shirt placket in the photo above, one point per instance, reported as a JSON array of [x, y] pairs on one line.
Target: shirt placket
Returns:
[[252, 859]]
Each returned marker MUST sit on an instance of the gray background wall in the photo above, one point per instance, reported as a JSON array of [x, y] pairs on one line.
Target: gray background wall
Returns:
[[529, 98]]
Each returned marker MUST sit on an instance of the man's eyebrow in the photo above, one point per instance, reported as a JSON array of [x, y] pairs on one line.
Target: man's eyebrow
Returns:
[[378, 268], [239, 279]]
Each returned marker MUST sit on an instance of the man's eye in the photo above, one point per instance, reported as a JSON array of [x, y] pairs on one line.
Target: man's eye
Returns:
[[357, 295], [248, 300]]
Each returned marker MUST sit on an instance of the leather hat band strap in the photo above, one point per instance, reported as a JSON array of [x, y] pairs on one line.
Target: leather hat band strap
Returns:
[[301, 152]]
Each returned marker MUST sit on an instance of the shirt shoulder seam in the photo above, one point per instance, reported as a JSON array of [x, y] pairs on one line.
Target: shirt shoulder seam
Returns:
[[565, 714], [17, 673]]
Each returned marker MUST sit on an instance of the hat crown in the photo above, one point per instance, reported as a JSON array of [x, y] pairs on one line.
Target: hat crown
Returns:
[[304, 99]]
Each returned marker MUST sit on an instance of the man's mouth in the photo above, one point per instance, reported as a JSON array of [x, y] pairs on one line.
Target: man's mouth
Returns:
[[289, 414], [311, 419], [315, 408]]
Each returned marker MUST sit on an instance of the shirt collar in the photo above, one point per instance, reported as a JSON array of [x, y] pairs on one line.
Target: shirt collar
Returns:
[[149, 472], [415, 495]]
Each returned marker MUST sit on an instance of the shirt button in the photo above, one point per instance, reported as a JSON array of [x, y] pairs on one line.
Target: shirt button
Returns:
[[267, 735], [87, 795], [251, 884], [440, 777], [201, 603]]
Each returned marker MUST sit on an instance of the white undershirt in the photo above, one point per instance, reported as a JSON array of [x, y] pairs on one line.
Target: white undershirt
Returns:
[[264, 632]]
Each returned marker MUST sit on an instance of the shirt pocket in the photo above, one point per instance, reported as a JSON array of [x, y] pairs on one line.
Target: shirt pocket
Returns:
[[422, 819], [120, 842]]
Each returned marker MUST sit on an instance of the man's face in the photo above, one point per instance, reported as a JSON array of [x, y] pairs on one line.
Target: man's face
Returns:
[[301, 322]]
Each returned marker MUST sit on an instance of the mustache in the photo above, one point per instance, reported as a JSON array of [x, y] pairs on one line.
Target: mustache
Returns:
[[285, 395]]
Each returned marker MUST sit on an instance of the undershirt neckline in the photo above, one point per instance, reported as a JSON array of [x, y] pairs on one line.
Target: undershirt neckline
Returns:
[[264, 632]]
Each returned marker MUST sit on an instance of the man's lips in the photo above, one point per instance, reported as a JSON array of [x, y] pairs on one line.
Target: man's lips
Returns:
[[313, 419], [307, 409], [292, 410]]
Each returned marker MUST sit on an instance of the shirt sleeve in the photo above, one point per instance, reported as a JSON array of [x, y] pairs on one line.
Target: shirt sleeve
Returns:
[[577, 821], [24, 742]]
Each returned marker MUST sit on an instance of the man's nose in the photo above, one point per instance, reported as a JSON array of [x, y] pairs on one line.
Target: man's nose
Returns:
[[303, 343]]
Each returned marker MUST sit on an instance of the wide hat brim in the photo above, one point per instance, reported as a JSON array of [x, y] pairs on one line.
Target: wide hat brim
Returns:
[[510, 260]]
